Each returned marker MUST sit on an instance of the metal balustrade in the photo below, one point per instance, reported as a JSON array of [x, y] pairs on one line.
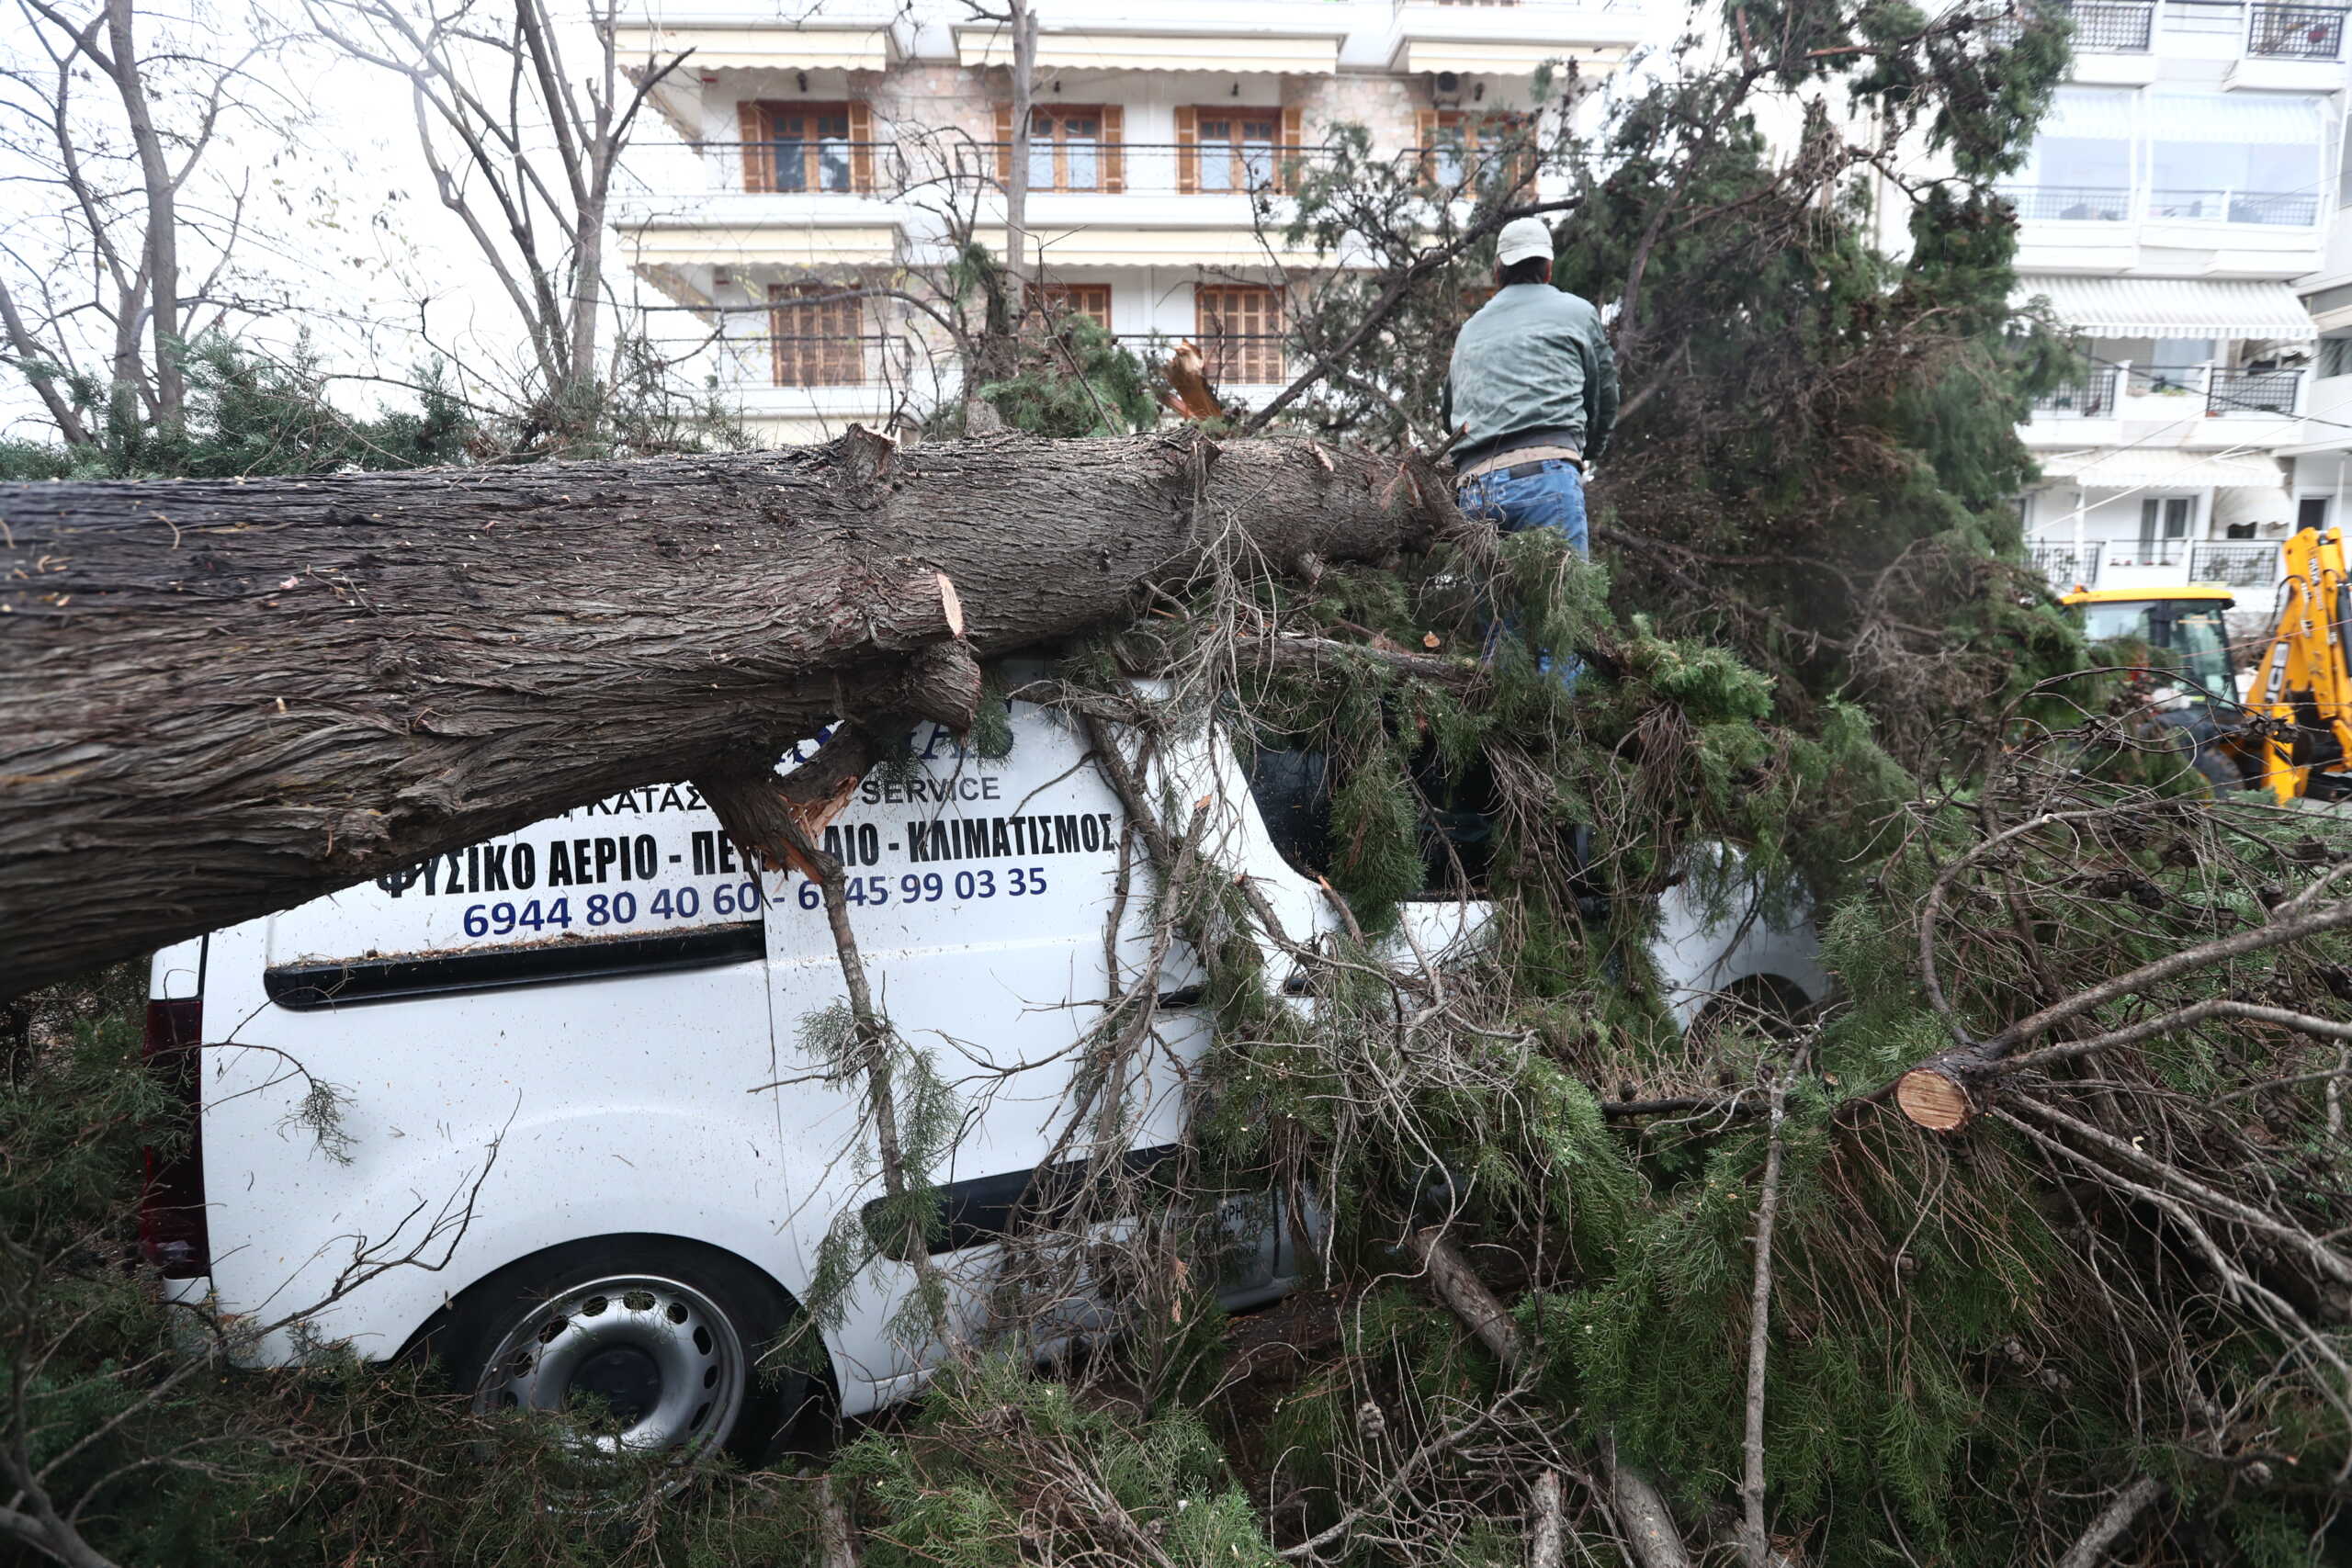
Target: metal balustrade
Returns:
[[2276, 31], [2112, 27], [2270, 392], [2070, 204], [2236, 563], [2091, 397], [2286, 208], [2064, 567]]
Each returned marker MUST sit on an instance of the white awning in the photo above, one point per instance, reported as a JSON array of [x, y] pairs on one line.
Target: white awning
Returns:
[[1481, 57], [2269, 119], [759, 48], [2142, 469], [1106, 49], [2173, 307]]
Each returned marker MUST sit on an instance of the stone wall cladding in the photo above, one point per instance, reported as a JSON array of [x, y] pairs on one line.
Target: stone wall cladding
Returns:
[[1382, 104]]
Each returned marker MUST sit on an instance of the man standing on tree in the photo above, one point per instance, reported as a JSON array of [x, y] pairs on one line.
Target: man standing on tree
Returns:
[[1534, 390]]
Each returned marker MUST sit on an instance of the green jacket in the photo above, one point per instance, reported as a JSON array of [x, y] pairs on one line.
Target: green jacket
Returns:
[[1531, 367]]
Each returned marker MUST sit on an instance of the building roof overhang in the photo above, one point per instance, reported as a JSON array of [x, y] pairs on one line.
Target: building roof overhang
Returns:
[[2173, 307], [2128, 467]]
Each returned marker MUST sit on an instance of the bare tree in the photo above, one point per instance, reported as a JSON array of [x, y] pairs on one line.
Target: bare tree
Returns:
[[101, 303], [525, 153]]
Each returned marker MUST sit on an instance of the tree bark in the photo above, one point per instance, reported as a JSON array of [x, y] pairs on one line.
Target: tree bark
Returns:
[[219, 699]]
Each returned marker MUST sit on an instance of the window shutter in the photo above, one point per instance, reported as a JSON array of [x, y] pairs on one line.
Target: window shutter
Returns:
[[1004, 143], [1290, 160], [750, 129], [1114, 156], [861, 152], [1188, 150], [1425, 135]]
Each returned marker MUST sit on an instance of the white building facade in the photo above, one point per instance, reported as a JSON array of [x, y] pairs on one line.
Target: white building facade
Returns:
[[853, 145], [2181, 200]]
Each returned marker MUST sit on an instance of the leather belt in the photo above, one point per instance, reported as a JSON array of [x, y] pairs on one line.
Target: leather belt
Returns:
[[1519, 458]]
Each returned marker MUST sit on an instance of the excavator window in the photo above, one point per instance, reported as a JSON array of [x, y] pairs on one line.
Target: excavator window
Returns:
[[2188, 637]]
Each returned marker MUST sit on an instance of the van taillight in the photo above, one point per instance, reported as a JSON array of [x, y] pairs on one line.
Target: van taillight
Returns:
[[170, 1205]]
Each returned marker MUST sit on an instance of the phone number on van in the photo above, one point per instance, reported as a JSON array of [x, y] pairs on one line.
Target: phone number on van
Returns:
[[733, 900]]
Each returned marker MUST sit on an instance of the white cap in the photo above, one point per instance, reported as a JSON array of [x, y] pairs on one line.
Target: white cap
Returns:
[[1523, 238]]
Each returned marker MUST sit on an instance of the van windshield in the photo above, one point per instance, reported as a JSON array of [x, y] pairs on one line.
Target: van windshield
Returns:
[[2188, 638]]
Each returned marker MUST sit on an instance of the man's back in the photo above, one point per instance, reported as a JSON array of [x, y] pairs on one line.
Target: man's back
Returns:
[[1532, 363]]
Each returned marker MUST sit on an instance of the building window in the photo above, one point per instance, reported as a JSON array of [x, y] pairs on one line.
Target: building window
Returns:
[[796, 147], [2164, 529], [2310, 512], [815, 343], [1223, 147], [1240, 333], [2335, 356], [1092, 301], [1461, 147], [1071, 146]]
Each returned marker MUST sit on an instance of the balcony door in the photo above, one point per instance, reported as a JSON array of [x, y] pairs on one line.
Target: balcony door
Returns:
[[1072, 147], [798, 148], [2164, 528], [816, 336]]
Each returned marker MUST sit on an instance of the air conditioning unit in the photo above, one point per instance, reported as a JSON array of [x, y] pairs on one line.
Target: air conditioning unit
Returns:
[[1445, 89]]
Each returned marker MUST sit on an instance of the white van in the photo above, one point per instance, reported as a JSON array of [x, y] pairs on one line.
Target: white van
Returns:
[[558, 1079]]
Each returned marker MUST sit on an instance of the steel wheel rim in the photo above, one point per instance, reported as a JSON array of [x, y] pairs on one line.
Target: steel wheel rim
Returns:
[[614, 1330]]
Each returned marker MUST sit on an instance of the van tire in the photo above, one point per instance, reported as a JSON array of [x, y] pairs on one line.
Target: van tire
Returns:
[[683, 1318]]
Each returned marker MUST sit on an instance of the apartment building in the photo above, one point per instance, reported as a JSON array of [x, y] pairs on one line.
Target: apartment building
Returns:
[[2181, 196], [857, 143]]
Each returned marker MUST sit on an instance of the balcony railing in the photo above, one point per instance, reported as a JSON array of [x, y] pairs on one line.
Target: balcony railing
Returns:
[[2289, 209], [2112, 27], [2111, 204], [2276, 31], [2065, 567], [2070, 204], [2092, 397], [2237, 564], [2155, 563], [2270, 392]]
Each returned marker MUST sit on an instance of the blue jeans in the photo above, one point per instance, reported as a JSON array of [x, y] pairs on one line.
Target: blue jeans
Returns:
[[1551, 496]]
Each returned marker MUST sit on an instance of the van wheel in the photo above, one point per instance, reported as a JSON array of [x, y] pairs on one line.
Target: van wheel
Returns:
[[654, 1341]]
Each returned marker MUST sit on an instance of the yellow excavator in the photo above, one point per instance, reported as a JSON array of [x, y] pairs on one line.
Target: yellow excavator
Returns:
[[2291, 732]]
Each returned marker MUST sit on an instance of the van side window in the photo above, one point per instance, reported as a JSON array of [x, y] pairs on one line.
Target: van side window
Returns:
[[1293, 790]]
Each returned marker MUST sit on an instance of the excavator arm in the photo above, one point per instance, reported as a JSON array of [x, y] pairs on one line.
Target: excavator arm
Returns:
[[2302, 686]]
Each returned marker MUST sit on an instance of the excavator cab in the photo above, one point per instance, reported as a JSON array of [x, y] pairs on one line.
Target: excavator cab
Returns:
[[2191, 685]]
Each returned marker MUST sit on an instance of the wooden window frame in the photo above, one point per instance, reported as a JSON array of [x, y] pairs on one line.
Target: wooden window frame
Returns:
[[1260, 360], [754, 119], [1079, 299], [1191, 146], [798, 358], [1432, 126], [1109, 147]]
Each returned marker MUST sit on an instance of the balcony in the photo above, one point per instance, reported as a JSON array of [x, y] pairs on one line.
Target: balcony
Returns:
[[2276, 31], [2251, 392], [2112, 27], [2112, 204], [2247, 564], [2151, 397], [2092, 397], [2294, 209]]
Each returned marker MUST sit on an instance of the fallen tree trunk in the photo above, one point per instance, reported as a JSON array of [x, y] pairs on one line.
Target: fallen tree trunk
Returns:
[[217, 699]]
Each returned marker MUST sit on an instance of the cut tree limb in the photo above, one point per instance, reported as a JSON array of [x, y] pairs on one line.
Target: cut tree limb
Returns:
[[217, 699], [1650, 1532]]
